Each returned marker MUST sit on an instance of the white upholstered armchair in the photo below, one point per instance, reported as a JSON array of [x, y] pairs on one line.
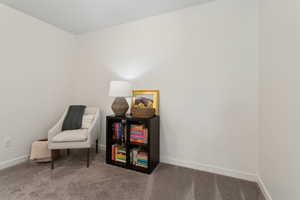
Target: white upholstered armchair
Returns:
[[75, 139]]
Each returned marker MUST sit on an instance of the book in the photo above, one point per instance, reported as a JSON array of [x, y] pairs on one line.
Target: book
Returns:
[[118, 129], [119, 153], [139, 157], [138, 134], [113, 152]]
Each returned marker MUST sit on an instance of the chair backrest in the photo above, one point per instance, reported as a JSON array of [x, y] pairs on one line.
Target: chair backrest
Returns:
[[91, 110]]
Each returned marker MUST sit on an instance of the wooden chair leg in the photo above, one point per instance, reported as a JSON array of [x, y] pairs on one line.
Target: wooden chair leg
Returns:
[[52, 159], [88, 158], [97, 146]]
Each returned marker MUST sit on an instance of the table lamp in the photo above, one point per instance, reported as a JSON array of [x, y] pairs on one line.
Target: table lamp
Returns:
[[120, 90]]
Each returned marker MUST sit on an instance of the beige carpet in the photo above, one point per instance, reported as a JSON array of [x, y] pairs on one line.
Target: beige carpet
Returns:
[[71, 180]]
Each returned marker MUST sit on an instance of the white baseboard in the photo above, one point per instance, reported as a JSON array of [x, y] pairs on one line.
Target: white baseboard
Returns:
[[221, 171], [102, 147], [207, 168], [216, 170], [211, 169], [12, 162], [263, 188], [192, 165]]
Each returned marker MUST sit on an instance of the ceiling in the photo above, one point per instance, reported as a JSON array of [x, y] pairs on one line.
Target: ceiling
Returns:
[[80, 16]]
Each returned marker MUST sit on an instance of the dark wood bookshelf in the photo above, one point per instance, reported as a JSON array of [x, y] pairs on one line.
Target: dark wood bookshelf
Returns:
[[151, 147]]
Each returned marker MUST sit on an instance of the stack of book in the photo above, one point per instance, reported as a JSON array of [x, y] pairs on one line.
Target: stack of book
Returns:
[[138, 134], [117, 131], [139, 158], [118, 153]]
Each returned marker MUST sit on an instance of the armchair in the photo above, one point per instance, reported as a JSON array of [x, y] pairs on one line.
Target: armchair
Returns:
[[75, 139]]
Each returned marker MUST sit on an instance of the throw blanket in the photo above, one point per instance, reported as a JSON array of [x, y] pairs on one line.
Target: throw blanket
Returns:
[[73, 119]]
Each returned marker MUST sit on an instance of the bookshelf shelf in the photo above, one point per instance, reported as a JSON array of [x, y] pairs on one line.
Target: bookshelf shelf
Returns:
[[133, 141], [137, 145], [120, 164]]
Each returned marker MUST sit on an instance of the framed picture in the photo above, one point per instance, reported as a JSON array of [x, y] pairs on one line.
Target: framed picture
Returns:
[[146, 99]]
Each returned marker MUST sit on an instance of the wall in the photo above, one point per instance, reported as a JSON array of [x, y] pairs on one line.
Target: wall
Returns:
[[279, 146], [203, 60], [35, 62]]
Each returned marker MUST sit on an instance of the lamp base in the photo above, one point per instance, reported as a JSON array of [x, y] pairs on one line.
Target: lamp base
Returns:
[[120, 106]]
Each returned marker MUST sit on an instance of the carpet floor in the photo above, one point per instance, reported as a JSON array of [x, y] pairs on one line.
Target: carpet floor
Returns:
[[71, 180]]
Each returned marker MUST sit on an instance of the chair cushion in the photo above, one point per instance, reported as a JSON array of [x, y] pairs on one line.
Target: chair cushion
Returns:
[[79, 135], [87, 121]]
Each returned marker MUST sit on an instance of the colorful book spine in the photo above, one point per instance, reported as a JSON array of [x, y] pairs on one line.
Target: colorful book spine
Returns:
[[113, 153], [139, 158], [117, 131], [118, 153], [138, 134], [120, 127]]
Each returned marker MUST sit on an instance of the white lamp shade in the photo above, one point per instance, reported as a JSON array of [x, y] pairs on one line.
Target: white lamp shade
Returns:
[[120, 89]]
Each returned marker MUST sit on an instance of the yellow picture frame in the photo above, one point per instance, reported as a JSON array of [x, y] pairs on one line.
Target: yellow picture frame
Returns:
[[153, 94]]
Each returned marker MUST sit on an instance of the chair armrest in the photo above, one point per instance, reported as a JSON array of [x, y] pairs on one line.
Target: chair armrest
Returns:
[[93, 130], [54, 131], [56, 128]]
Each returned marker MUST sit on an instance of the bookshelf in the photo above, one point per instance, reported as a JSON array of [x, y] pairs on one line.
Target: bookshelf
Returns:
[[132, 143]]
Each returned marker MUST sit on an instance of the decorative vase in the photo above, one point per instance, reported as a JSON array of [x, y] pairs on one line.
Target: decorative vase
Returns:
[[120, 106]]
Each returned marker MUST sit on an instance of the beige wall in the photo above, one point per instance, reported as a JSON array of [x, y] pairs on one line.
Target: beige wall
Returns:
[[35, 63], [280, 98], [203, 60]]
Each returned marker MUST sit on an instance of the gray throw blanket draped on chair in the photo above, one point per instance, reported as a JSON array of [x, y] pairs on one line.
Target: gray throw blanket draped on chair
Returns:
[[73, 118]]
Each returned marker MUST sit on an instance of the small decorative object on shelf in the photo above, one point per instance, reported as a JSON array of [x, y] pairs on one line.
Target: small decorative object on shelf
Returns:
[[120, 90], [145, 103], [143, 112], [133, 143]]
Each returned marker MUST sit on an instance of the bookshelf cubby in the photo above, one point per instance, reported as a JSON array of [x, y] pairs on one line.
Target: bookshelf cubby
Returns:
[[132, 143]]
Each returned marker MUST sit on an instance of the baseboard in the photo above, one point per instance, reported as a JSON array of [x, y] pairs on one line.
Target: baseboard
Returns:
[[263, 189], [207, 168], [211, 169], [192, 165], [12, 162], [221, 171], [214, 169], [102, 147]]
